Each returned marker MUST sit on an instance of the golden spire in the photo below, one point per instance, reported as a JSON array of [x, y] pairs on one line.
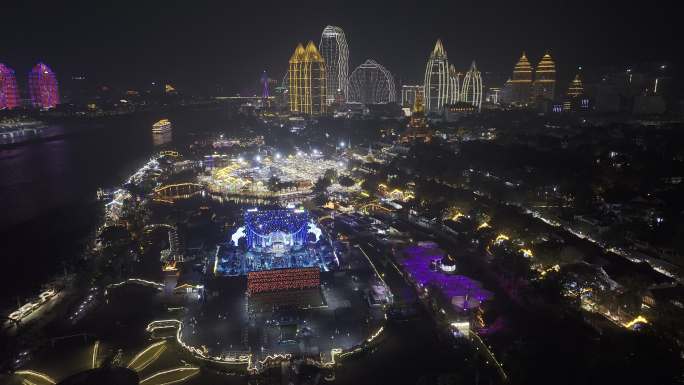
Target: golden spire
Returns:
[[298, 54], [312, 53], [439, 49], [418, 106]]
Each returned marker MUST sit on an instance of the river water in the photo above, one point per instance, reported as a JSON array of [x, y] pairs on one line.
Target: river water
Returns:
[[48, 187]]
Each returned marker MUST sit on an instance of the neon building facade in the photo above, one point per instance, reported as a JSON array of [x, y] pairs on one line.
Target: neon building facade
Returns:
[[472, 87], [9, 93], [371, 83], [521, 91], [436, 82], [43, 87], [307, 81], [463, 293], [333, 48], [282, 280], [454, 85], [544, 86]]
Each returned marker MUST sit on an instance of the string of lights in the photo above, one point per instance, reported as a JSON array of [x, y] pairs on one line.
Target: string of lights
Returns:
[[283, 279]]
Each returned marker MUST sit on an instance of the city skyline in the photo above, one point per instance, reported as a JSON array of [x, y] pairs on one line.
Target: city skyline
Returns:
[[320, 192], [200, 64]]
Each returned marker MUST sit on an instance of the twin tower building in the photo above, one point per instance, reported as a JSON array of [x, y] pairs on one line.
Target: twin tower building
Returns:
[[318, 77], [42, 84], [528, 86]]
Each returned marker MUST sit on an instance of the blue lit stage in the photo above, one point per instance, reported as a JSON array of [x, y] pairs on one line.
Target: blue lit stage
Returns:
[[275, 239]]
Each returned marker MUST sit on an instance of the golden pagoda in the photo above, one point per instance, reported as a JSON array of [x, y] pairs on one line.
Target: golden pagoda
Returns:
[[544, 85], [576, 88], [522, 81], [418, 126]]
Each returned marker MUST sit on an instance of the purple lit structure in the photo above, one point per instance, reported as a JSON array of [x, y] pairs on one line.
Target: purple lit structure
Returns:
[[9, 95], [464, 293], [265, 93], [43, 87]]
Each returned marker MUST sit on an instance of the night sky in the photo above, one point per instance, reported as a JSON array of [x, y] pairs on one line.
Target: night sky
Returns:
[[196, 44]]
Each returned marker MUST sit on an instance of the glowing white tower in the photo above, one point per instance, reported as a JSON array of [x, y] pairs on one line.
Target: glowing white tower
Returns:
[[333, 48], [471, 92], [454, 85], [436, 84]]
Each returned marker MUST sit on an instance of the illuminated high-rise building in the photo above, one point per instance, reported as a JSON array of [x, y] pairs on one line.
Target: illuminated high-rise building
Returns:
[[333, 48], [507, 92], [544, 86], [307, 81], [454, 85], [436, 83], [493, 95], [521, 91], [408, 95], [43, 87], [264, 84], [576, 88], [9, 94], [371, 83], [471, 91]]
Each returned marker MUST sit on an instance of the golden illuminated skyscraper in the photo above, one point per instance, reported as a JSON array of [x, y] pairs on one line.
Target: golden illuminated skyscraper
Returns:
[[521, 92], [576, 88], [307, 81], [544, 85]]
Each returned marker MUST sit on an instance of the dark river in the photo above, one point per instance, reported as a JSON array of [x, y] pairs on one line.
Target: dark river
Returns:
[[48, 187]]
